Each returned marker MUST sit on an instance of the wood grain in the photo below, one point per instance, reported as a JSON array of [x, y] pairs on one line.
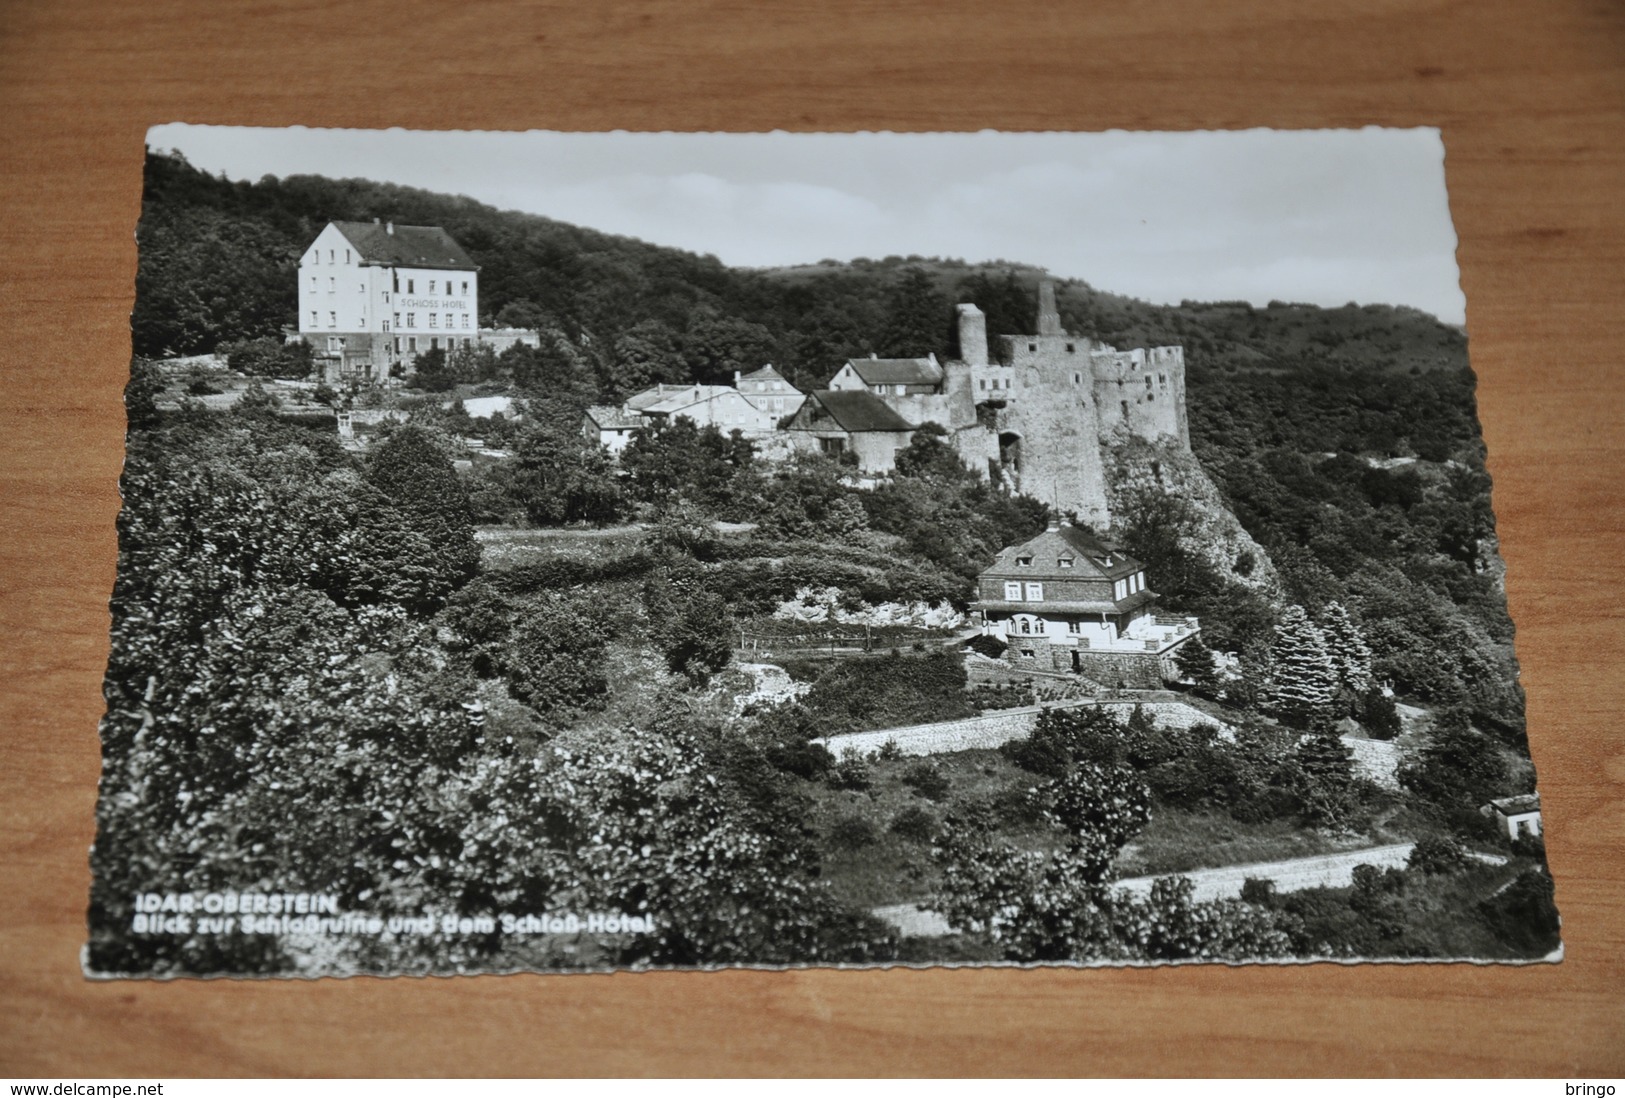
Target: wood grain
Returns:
[[1531, 100]]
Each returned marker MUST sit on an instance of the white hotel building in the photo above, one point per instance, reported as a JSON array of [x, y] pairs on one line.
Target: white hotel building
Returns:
[[374, 295]]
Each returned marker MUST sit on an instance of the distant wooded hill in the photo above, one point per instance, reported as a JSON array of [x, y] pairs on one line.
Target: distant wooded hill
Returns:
[[218, 262]]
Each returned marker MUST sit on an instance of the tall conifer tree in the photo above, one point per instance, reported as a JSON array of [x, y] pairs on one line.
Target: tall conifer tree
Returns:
[[1305, 676], [1347, 647]]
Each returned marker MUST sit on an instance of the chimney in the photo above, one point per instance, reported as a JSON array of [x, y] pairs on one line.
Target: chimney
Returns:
[[389, 227], [377, 221], [972, 335], [1055, 522], [1049, 320], [736, 379]]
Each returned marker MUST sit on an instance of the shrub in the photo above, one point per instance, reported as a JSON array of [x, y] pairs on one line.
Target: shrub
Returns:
[[1258, 890], [851, 772], [1378, 714], [809, 761], [915, 824], [927, 780], [1435, 854], [852, 833], [889, 752], [989, 646]]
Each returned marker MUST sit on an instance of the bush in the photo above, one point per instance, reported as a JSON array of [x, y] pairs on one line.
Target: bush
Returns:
[[1258, 890], [852, 833], [915, 824], [927, 780], [808, 761], [1435, 854], [268, 357], [1377, 713], [989, 646], [889, 752], [851, 772]]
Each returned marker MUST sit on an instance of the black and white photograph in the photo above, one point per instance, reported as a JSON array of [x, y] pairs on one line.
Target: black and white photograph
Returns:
[[550, 552]]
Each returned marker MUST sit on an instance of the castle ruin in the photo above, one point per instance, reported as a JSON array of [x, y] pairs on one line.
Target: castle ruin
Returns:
[[1046, 403]]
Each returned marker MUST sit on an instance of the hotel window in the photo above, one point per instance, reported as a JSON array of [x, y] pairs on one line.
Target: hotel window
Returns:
[[432, 318], [431, 285], [1025, 562], [1064, 562], [1032, 346], [465, 287], [332, 320], [361, 287], [1071, 348], [411, 320], [397, 320], [1026, 626], [313, 320], [1148, 383], [1035, 592], [465, 320], [409, 284], [362, 324], [434, 343], [1012, 592], [386, 325], [412, 344], [1074, 627], [330, 258], [313, 283], [332, 284]]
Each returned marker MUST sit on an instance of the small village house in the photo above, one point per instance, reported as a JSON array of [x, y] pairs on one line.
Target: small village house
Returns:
[[837, 423], [1516, 815], [1067, 601], [890, 376], [719, 406], [770, 391], [610, 427]]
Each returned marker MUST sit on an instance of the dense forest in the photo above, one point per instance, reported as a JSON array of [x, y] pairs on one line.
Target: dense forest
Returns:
[[317, 676]]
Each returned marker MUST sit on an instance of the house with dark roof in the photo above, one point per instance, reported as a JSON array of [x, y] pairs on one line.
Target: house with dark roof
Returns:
[[1067, 601], [374, 295], [841, 422], [890, 376]]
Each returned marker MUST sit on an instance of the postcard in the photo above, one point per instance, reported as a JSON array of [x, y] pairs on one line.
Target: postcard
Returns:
[[568, 552]]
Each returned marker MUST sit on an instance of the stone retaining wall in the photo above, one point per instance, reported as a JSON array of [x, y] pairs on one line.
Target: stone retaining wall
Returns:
[[994, 729]]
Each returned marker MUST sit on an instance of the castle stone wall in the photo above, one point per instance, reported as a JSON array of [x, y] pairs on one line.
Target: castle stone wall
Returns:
[[1141, 391], [1051, 411]]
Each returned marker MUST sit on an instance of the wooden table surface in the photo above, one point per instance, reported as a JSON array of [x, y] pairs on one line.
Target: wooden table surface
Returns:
[[1531, 100]]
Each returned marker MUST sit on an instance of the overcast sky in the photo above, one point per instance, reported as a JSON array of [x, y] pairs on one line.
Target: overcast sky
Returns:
[[1326, 216]]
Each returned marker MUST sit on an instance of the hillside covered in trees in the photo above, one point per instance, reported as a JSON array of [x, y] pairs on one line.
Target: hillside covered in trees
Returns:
[[1344, 440]]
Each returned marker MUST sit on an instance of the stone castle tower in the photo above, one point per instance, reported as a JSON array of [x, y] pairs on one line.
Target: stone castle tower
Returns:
[[1057, 398]]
